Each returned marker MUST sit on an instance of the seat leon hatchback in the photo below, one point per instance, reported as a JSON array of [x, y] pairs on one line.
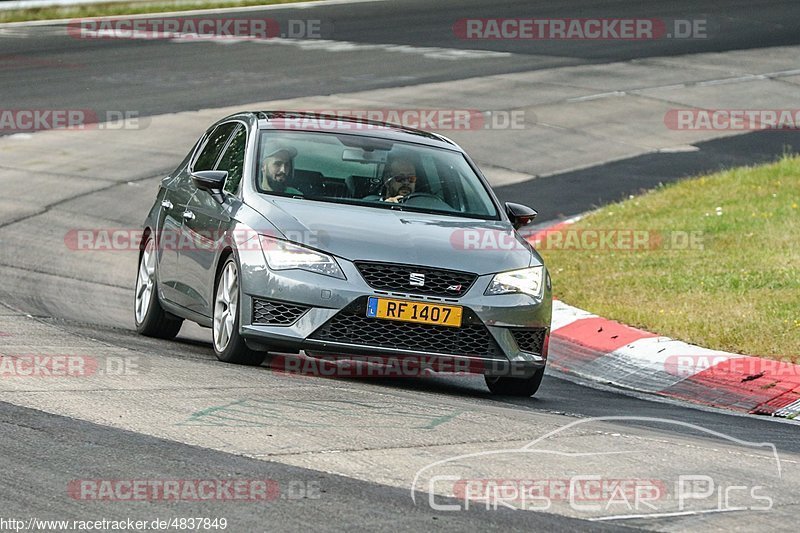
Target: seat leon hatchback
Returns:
[[289, 232]]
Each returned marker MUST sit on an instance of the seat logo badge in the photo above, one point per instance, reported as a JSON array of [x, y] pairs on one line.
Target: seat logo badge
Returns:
[[416, 279]]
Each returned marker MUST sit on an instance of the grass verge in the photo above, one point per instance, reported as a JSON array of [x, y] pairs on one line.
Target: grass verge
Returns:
[[126, 8], [720, 267]]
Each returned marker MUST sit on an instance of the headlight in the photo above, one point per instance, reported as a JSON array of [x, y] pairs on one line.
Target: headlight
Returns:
[[525, 280], [281, 255]]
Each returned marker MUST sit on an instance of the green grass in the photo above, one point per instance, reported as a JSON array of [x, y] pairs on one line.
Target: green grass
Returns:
[[126, 8], [738, 290]]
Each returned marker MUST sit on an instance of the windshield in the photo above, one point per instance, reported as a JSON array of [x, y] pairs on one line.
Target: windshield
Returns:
[[370, 171]]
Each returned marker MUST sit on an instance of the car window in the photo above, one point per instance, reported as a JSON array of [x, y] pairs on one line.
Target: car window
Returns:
[[216, 142], [374, 172], [233, 160]]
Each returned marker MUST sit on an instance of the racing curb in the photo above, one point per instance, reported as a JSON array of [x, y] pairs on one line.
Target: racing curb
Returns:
[[598, 349]]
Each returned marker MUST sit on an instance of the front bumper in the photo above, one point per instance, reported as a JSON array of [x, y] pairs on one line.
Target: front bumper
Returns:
[[327, 301]]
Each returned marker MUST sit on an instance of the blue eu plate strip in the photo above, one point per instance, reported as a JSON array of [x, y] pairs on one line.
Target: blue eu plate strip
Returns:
[[372, 306]]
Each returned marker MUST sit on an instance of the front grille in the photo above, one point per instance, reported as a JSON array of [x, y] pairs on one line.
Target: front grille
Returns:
[[530, 339], [352, 326], [437, 282], [272, 313]]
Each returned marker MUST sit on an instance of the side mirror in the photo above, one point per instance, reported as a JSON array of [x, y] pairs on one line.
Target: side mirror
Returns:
[[212, 181], [519, 214]]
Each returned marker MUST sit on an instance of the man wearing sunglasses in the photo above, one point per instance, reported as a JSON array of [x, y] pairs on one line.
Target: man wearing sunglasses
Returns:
[[400, 180]]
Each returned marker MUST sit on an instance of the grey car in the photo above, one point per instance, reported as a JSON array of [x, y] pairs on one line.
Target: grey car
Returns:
[[287, 231]]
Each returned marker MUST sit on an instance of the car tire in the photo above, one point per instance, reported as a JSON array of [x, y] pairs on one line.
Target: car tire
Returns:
[[149, 317], [229, 346], [506, 386]]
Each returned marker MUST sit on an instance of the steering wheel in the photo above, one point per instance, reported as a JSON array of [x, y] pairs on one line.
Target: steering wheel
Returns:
[[408, 197]]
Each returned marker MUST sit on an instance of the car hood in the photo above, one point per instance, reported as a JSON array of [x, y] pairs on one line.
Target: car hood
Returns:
[[393, 236]]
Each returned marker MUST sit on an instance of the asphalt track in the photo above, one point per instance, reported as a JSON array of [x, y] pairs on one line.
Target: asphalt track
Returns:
[[42, 451], [48, 69], [38, 446]]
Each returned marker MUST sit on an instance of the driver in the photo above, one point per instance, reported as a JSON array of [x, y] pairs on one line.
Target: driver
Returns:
[[400, 180]]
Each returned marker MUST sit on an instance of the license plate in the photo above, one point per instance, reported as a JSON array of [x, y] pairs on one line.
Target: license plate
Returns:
[[420, 312]]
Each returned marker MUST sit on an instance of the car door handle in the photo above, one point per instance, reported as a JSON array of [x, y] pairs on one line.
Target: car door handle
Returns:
[[188, 215], [166, 204]]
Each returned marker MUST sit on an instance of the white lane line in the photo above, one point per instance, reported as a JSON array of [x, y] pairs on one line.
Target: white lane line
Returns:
[[598, 96], [25, 4], [327, 45], [679, 149], [737, 79], [270, 7], [783, 73], [704, 83], [665, 515], [791, 410], [13, 33], [22, 33]]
